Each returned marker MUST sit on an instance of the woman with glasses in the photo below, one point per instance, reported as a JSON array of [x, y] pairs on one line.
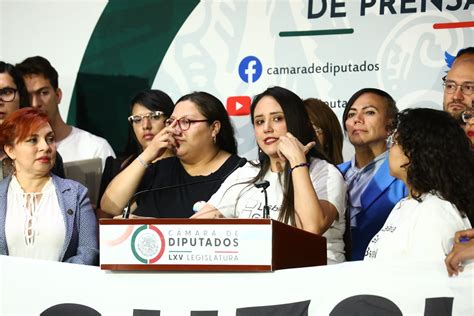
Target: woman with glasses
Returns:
[[13, 95], [201, 137], [149, 110], [327, 128], [431, 155], [304, 190], [368, 119]]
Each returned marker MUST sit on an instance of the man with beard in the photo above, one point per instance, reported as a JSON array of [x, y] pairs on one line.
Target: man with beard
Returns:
[[459, 87]]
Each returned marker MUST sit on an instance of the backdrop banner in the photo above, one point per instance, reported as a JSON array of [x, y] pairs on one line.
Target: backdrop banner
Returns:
[[31, 287], [106, 51]]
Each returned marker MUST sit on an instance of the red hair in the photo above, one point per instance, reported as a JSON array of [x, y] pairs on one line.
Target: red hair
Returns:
[[20, 124]]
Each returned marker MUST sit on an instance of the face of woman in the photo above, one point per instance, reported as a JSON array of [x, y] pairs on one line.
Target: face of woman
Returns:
[[269, 125], [469, 125], [319, 134], [36, 154], [397, 159], [8, 90], [367, 120], [469, 129], [193, 140], [148, 124]]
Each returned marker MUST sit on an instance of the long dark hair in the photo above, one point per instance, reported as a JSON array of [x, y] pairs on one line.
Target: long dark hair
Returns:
[[18, 80], [153, 100], [213, 110], [440, 158], [323, 117], [298, 124]]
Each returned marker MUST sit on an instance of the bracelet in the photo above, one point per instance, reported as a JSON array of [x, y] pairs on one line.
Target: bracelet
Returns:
[[303, 164], [143, 163]]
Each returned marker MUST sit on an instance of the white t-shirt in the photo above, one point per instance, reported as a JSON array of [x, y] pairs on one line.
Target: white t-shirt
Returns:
[[418, 230], [327, 182], [34, 224], [81, 145]]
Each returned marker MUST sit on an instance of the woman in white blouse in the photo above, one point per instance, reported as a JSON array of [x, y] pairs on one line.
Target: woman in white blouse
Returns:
[[304, 189], [430, 153], [42, 216]]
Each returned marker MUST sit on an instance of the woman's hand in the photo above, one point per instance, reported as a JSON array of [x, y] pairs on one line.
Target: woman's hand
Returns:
[[463, 249], [208, 211], [125, 184], [291, 149], [161, 142]]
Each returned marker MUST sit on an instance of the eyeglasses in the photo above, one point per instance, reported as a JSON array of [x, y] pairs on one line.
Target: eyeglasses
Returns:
[[184, 123], [467, 116], [467, 88], [391, 140], [137, 119], [7, 94]]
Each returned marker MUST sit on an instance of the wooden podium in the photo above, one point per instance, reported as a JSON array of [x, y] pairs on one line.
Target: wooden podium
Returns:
[[207, 245]]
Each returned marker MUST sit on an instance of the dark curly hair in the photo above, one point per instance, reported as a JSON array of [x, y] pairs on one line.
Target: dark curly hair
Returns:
[[440, 158]]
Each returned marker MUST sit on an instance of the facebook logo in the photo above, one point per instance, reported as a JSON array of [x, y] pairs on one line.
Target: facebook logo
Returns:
[[250, 69]]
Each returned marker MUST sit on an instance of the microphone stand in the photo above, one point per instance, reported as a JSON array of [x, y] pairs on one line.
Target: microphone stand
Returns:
[[264, 185], [126, 211]]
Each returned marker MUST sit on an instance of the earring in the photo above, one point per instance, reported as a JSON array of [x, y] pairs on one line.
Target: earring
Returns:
[[214, 139], [261, 156]]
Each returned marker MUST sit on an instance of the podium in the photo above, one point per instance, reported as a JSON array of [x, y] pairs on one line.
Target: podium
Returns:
[[207, 245]]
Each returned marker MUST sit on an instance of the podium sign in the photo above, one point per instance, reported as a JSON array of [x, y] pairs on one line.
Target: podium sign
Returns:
[[197, 244]]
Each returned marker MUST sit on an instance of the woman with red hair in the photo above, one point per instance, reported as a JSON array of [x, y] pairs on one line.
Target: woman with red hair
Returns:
[[13, 95], [42, 216]]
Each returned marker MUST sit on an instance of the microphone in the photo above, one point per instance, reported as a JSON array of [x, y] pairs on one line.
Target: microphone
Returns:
[[264, 185], [126, 212]]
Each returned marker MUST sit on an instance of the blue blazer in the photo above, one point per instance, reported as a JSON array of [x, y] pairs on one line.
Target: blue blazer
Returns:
[[378, 200], [81, 243]]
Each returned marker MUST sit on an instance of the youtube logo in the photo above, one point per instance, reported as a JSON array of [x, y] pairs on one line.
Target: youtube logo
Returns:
[[238, 105]]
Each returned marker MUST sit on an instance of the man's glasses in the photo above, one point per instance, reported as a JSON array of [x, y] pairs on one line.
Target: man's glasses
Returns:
[[391, 140], [7, 94], [467, 116], [184, 123], [467, 88], [153, 116]]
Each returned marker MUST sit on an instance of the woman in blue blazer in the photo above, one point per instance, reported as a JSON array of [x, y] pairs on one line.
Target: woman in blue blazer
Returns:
[[368, 119], [41, 215]]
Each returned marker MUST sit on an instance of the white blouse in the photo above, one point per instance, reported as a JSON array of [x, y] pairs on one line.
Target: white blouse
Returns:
[[34, 225], [236, 198], [418, 230]]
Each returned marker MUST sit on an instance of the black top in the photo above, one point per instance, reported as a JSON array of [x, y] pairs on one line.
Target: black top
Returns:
[[178, 202], [113, 166]]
